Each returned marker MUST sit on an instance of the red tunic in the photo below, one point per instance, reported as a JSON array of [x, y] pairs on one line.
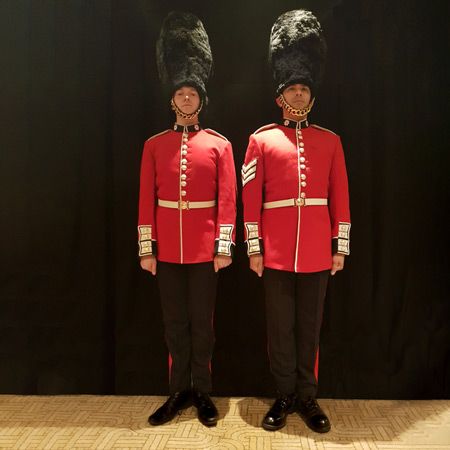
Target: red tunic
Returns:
[[303, 162], [187, 165]]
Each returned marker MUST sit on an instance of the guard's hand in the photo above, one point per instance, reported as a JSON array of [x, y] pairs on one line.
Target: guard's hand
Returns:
[[148, 263], [257, 264], [337, 263], [221, 261]]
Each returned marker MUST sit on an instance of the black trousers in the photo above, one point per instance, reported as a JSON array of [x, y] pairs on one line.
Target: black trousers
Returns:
[[294, 307], [188, 296]]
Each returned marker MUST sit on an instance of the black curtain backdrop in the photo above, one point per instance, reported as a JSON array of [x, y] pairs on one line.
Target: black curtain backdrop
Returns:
[[80, 94]]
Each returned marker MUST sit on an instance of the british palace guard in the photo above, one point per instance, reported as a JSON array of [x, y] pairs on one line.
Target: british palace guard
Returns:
[[187, 212], [296, 217]]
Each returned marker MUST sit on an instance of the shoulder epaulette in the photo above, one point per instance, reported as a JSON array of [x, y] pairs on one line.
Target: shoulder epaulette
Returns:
[[158, 134], [215, 133], [265, 127], [322, 128]]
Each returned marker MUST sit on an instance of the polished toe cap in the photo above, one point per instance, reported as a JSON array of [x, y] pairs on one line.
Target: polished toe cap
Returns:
[[320, 424]]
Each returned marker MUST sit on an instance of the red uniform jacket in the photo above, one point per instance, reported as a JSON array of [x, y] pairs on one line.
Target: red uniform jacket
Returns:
[[179, 166], [305, 165]]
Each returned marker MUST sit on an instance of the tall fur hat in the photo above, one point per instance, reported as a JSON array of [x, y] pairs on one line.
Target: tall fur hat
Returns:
[[297, 50], [183, 54]]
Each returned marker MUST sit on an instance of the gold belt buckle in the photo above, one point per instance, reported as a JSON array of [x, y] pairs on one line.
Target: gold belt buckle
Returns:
[[299, 202], [183, 204]]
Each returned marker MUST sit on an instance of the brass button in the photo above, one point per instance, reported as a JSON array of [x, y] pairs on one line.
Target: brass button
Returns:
[[302, 166], [183, 183], [183, 167], [183, 177], [302, 159], [183, 193], [303, 176], [303, 183]]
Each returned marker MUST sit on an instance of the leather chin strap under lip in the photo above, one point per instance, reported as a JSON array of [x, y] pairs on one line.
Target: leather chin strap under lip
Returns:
[[295, 112], [181, 113]]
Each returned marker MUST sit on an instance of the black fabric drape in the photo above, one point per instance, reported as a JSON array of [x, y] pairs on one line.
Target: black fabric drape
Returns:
[[79, 95]]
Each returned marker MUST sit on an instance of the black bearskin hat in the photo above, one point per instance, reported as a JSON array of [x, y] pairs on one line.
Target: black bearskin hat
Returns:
[[183, 54], [297, 50]]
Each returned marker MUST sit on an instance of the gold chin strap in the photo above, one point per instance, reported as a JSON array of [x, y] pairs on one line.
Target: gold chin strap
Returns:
[[293, 111], [180, 113]]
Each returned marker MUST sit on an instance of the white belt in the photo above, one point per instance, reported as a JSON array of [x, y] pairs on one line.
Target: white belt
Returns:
[[185, 204], [296, 202]]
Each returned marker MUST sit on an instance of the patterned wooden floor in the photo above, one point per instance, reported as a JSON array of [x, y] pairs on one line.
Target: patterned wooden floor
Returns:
[[94, 422]]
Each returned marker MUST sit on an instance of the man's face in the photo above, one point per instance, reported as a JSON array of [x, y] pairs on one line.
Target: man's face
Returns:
[[297, 95], [187, 99]]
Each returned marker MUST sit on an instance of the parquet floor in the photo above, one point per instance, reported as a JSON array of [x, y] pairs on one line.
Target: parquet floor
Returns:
[[114, 422]]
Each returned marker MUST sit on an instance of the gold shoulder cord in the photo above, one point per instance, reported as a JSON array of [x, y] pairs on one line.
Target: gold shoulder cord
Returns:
[[181, 113], [293, 111]]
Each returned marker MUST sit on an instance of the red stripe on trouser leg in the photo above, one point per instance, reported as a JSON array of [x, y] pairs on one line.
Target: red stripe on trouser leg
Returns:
[[170, 366], [316, 366]]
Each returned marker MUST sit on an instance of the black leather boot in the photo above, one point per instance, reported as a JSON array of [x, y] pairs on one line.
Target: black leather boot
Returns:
[[277, 415], [206, 411], [173, 405], [313, 415]]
